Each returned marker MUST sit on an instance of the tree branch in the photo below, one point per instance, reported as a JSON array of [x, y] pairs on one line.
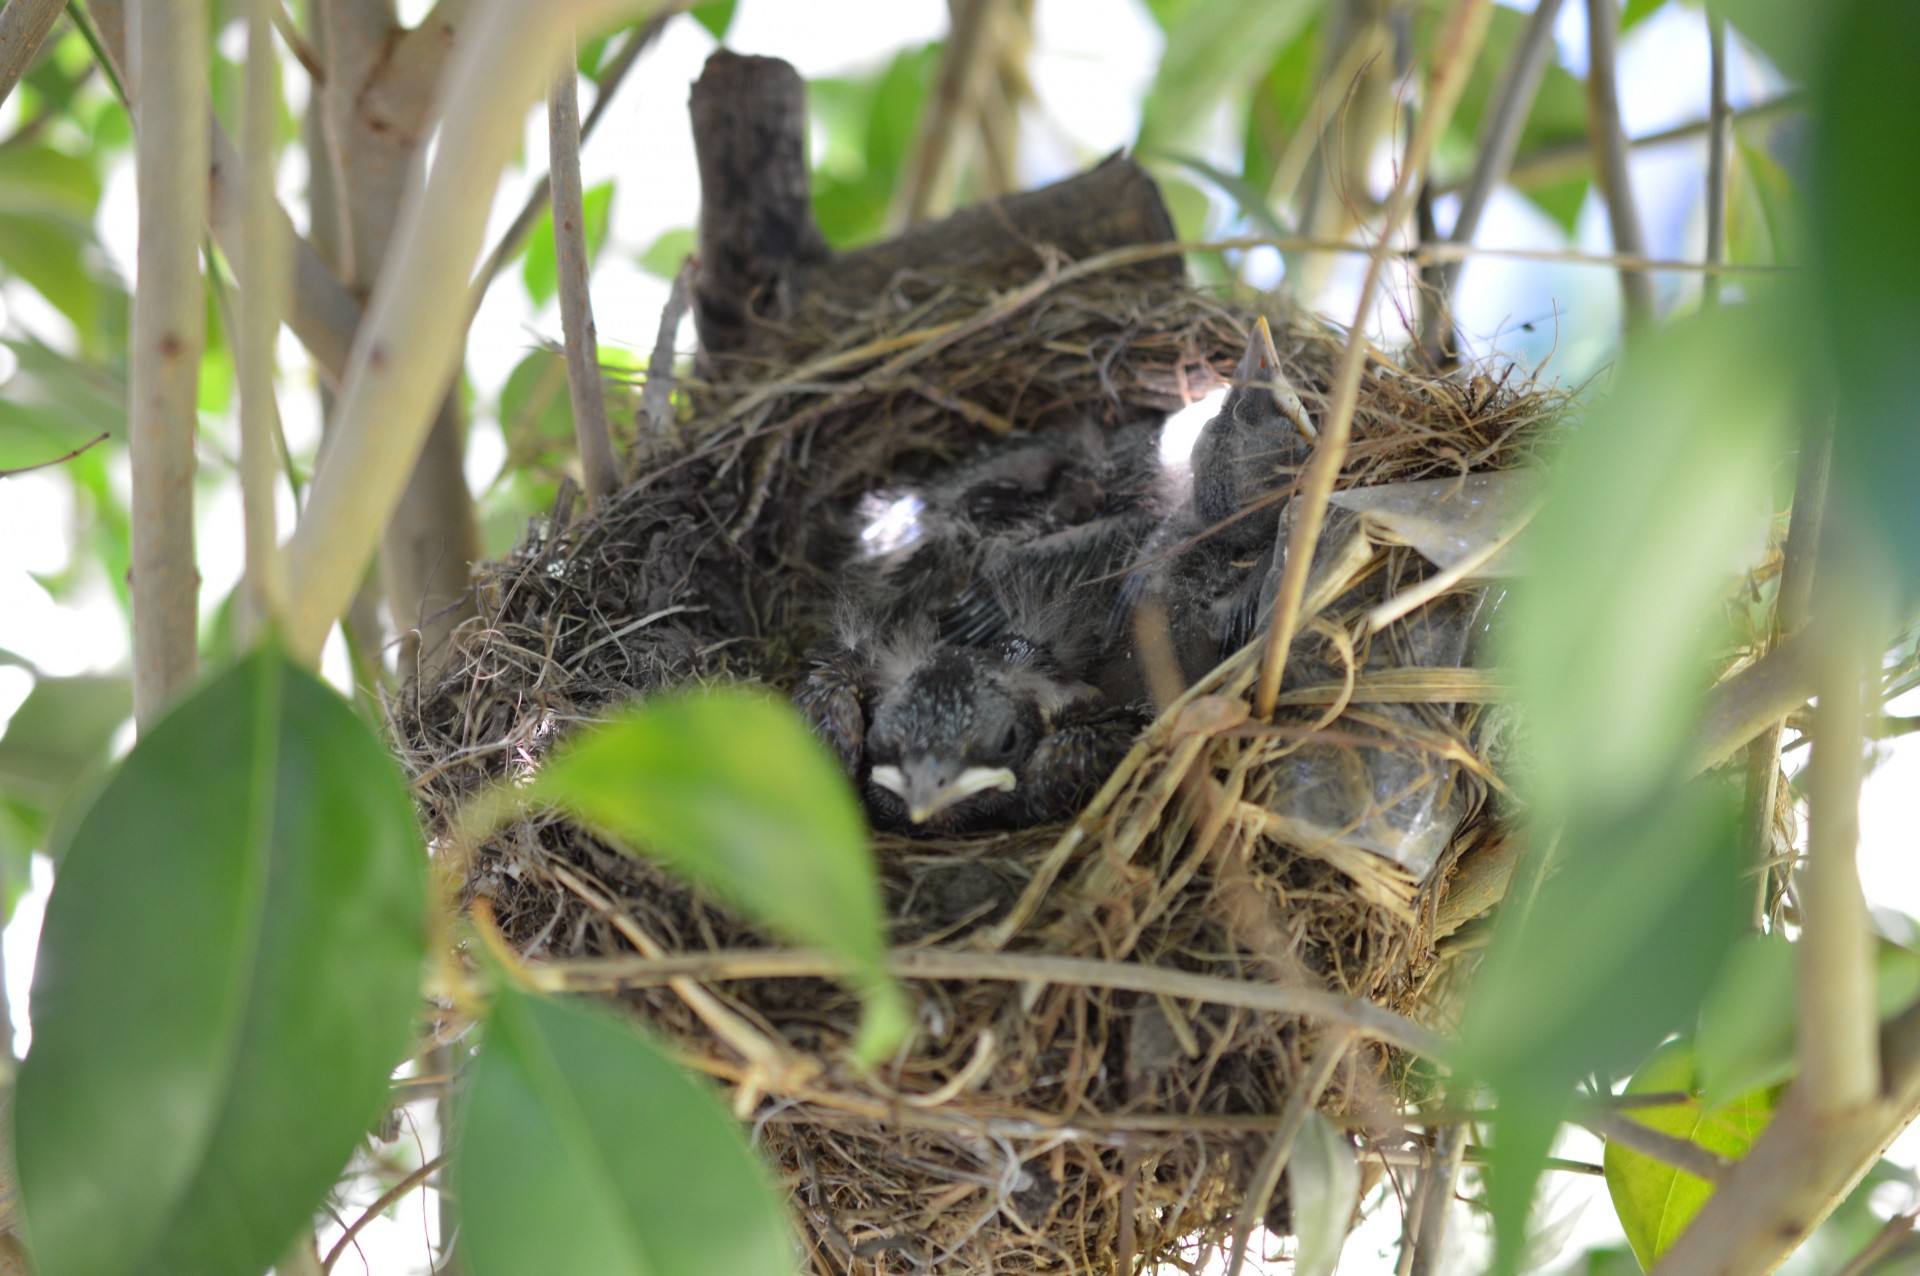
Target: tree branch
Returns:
[[169, 331], [1609, 142], [260, 306], [1499, 140], [967, 58], [324, 315], [1837, 1014], [418, 306], [576, 305], [1719, 144], [23, 27]]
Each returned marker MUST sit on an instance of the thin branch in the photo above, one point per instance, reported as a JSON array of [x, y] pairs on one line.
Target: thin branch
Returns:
[[1458, 47], [1609, 141], [406, 351], [1837, 1017], [1565, 160], [1719, 148], [62, 459], [539, 198], [1436, 1195], [615, 974], [298, 44], [261, 304], [1791, 609], [1500, 133], [1885, 1242], [169, 332], [1681, 1154], [965, 61], [380, 1206], [576, 305], [324, 314], [23, 27], [1266, 1176]]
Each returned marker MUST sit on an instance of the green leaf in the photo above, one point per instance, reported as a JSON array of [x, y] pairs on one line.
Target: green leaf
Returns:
[[61, 732], [1656, 504], [1323, 1185], [731, 790], [665, 254], [540, 270], [1216, 51], [1655, 1201], [1863, 187], [1746, 1037], [1618, 950], [42, 181], [584, 1149], [49, 253], [229, 971], [1561, 200], [1793, 36], [1559, 113], [1745, 1040], [1634, 12], [716, 16], [536, 414]]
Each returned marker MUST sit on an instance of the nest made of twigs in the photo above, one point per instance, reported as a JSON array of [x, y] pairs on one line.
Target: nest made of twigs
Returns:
[[1105, 1038]]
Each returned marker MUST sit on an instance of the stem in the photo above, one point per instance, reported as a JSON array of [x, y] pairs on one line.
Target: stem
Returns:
[[1266, 1177], [1837, 1020], [1459, 44], [576, 305], [1609, 142], [1500, 138], [169, 332], [23, 26], [927, 176], [1449, 1150], [261, 304], [538, 198], [1719, 145], [418, 306]]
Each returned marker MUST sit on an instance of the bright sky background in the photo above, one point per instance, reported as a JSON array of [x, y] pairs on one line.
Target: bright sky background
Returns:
[[1091, 65]]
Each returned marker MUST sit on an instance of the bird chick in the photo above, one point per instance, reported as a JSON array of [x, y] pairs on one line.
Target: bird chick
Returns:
[[950, 739]]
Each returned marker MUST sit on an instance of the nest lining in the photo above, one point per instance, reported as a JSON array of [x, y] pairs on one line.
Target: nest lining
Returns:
[[1036, 1125]]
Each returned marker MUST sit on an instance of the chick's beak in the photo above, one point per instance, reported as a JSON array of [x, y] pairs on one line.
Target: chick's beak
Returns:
[[929, 786], [1259, 373]]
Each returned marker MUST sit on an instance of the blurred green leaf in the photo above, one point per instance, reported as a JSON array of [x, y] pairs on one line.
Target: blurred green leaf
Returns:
[[1634, 12], [1216, 51], [868, 126], [43, 181], [1745, 1041], [1620, 947], [1559, 114], [53, 403], [536, 414], [540, 269], [731, 790], [1793, 36], [1280, 104], [229, 970], [48, 252], [1561, 200], [1863, 189], [665, 254], [1656, 504], [1323, 1187], [60, 732], [1746, 1037], [1251, 203], [585, 1149], [716, 16], [1168, 12], [1655, 1202]]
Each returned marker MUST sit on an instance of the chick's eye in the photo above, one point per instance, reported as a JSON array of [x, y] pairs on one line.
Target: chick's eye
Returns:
[[1010, 739]]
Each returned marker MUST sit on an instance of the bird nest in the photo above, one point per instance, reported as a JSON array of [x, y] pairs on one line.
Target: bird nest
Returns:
[[1114, 1013]]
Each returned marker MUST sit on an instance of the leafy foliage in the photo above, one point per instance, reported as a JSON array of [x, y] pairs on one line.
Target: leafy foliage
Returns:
[[221, 993]]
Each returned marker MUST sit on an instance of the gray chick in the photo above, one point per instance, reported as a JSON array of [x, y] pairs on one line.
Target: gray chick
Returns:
[[951, 739]]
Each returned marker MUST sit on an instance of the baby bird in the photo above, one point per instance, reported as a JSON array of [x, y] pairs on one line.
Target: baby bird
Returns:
[[949, 739]]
